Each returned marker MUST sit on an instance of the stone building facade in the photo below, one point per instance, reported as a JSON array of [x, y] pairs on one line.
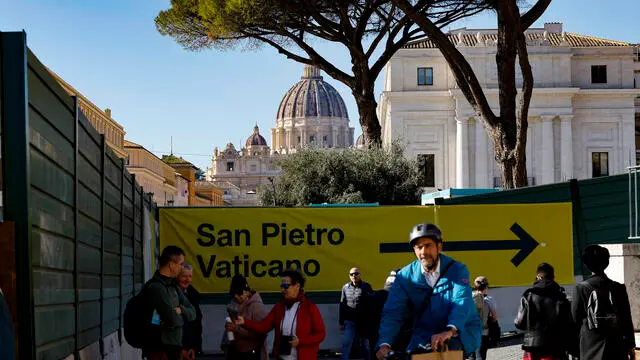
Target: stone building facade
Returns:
[[311, 113], [582, 117], [100, 119]]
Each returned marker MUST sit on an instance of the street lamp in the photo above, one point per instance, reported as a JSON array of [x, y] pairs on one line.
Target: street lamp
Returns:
[[270, 178]]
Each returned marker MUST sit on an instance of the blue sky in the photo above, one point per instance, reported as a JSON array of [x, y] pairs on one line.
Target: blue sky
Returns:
[[111, 52]]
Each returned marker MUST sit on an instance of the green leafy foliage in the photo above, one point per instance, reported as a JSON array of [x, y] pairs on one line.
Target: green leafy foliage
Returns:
[[382, 175]]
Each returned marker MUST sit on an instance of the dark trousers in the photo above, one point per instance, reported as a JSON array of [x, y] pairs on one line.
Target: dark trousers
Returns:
[[481, 353], [251, 355], [166, 353]]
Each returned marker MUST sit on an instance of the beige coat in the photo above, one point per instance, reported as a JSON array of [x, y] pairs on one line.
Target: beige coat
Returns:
[[253, 309]]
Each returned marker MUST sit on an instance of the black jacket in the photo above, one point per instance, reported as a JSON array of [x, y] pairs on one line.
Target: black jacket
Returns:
[[350, 300], [192, 330], [545, 316], [604, 345], [372, 306]]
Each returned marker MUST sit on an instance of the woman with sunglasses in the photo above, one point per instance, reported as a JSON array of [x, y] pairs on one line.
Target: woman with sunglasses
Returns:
[[298, 325]]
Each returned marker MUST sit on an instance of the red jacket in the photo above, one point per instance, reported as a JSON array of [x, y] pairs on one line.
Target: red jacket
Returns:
[[309, 328]]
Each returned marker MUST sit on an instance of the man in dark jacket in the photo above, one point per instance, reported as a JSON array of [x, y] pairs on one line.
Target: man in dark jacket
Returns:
[[350, 313], [606, 329], [170, 306], [191, 330], [545, 316]]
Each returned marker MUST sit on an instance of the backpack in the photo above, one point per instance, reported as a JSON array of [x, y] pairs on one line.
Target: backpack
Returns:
[[602, 313], [482, 308], [138, 330]]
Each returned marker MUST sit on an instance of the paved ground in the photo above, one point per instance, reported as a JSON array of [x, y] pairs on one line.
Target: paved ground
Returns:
[[510, 350]]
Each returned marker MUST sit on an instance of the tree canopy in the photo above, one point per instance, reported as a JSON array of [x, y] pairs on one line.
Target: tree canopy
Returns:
[[372, 175], [370, 30]]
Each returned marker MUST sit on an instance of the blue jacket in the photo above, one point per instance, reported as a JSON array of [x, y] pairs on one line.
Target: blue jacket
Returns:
[[451, 304]]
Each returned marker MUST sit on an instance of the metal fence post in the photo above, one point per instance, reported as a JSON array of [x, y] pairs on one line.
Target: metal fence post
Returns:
[[578, 221], [15, 141], [122, 199], [141, 270], [76, 258], [103, 144], [133, 235]]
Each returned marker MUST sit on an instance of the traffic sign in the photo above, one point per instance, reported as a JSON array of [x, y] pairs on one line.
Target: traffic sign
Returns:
[[525, 244], [505, 243]]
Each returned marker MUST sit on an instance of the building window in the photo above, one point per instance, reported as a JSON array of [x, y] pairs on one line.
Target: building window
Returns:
[[598, 74], [298, 140], [254, 168], [426, 167], [324, 140], [230, 166], [599, 164], [425, 76], [312, 139]]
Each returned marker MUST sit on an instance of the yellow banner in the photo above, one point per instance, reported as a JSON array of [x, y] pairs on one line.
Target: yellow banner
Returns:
[[503, 242]]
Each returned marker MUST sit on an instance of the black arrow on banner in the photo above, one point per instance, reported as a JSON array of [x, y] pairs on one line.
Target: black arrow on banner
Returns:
[[525, 243]]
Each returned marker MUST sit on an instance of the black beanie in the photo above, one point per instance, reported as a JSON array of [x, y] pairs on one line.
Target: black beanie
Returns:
[[238, 285], [596, 258]]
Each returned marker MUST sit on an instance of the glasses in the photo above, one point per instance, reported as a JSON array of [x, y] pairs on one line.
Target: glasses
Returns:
[[285, 286], [354, 274]]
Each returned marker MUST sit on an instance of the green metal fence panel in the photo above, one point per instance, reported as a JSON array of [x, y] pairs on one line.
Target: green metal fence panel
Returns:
[[77, 213], [52, 168], [605, 209]]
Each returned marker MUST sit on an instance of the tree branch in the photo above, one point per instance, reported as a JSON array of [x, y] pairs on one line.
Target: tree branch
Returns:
[[321, 62], [322, 21], [534, 14], [284, 51], [462, 71], [527, 88], [363, 20]]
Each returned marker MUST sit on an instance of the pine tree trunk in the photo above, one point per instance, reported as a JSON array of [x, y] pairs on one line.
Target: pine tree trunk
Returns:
[[367, 110]]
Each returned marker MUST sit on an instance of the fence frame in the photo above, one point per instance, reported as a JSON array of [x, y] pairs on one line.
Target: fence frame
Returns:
[[15, 132], [93, 214]]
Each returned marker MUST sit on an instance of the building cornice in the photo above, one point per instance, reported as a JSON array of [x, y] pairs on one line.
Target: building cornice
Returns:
[[139, 169], [150, 155], [536, 91], [70, 89], [622, 92]]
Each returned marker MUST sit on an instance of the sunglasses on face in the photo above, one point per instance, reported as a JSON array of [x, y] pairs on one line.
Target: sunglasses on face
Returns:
[[285, 286], [354, 274]]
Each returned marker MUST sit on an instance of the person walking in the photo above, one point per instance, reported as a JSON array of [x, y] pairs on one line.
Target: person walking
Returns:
[[487, 310], [351, 318], [545, 317], [601, 309]]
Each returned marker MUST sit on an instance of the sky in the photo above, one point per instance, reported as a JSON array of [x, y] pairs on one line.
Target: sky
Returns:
[[111, 52]]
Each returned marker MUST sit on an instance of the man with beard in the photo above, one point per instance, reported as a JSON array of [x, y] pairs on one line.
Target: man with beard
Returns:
[[434, 292]]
